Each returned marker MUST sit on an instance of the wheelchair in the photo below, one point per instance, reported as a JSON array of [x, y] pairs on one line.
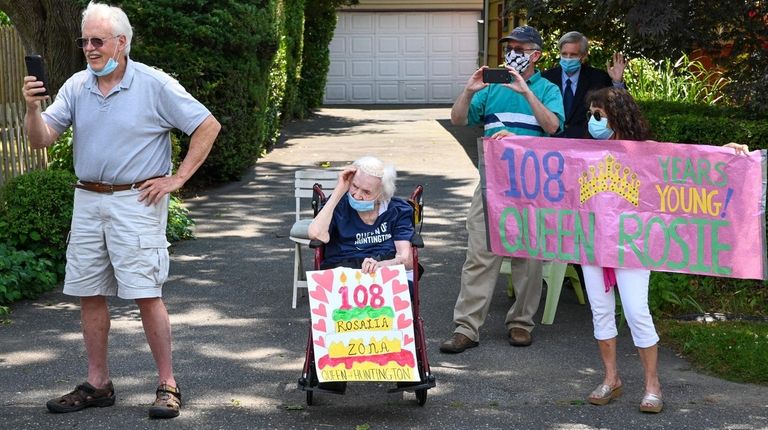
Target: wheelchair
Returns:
[[308, 381]]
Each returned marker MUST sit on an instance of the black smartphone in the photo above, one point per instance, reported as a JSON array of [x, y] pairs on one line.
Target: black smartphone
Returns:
[[36, 68], [496, 76]]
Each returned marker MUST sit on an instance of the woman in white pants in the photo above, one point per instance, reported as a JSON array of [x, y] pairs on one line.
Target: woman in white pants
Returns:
[[613, 114]]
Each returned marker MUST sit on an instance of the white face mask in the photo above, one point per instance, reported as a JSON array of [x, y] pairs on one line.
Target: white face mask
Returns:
[[517, 61]]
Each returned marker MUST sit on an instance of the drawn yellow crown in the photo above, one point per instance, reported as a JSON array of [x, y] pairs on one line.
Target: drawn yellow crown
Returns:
[[608, 175]]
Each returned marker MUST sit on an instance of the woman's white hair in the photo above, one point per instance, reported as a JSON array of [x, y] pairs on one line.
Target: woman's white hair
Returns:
[[118, 20], [386, 172]]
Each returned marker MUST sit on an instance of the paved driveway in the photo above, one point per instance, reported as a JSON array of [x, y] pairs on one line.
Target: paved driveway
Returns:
[[239, 346]]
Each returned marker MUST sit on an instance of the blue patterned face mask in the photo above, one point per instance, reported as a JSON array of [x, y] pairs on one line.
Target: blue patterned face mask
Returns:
[[361, 205], [599, 129], [570, 65]]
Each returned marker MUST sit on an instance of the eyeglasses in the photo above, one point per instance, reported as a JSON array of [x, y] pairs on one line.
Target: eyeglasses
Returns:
[[598, 116], [518, 51], [96, 42]]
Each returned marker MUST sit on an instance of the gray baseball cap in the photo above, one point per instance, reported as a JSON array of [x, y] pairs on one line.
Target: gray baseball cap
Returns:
[[525, 34]]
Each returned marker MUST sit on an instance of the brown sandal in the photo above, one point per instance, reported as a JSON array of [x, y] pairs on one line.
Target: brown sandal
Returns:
[[167, 403], [84, 396]]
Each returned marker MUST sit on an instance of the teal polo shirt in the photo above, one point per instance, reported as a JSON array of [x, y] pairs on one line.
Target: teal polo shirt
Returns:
[[497, 107]]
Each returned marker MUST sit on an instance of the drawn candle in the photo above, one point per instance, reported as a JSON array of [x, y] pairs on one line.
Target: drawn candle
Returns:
[[343, 291]]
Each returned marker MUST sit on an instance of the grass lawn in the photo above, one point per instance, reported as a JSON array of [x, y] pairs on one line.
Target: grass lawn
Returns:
[[736, 351]]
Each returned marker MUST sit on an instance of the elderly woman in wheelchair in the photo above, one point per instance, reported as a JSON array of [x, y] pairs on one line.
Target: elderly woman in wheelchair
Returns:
[[362, 224]]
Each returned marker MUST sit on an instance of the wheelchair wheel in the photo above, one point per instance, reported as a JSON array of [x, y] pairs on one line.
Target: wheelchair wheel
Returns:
[[312, 382], [421, 396]]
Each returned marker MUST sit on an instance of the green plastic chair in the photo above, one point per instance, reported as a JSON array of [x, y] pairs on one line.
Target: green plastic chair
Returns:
[[554, 273]]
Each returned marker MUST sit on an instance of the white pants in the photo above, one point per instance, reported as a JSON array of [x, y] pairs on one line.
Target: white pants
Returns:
[[633, 291]]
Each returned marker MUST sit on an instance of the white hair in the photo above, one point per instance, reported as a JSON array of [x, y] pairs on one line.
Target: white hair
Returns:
[[386, 172], [118, 20]]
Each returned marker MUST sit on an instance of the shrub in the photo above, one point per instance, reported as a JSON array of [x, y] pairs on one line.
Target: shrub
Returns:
[[61, 154], [179, 225], [37, 212], [704, 125], [320, 22], [23, 275]]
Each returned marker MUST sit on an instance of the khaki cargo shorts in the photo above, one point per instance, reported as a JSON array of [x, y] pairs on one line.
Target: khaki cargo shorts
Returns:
[[116, 246]]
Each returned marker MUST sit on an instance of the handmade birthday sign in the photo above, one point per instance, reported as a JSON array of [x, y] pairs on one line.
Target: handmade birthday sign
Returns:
[[653, 205], [362, 325]]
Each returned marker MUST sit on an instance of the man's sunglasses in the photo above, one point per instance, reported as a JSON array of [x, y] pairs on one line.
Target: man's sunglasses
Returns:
[[96, 42], [596, 114]]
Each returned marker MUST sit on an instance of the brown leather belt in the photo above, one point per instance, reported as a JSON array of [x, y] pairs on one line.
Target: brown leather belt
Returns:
[[101, 187]]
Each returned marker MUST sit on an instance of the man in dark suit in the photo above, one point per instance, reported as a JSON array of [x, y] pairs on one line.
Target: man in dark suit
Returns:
[[576, 79]]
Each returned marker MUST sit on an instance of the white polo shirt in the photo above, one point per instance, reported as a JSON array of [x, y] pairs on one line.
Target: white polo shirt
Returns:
[[124, 137]]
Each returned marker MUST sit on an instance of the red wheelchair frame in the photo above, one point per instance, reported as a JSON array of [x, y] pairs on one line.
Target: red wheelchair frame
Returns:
[[308, 381]]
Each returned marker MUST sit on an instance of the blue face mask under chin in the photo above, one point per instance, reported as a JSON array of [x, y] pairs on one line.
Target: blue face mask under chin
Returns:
[[361, 205], [599, 129], [108, 68]]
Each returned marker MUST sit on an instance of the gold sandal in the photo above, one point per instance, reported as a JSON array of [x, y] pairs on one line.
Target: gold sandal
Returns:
[[651, 403], [603, 394]]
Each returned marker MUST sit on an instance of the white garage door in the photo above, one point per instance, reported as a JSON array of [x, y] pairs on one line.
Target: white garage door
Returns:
[[401, 57]]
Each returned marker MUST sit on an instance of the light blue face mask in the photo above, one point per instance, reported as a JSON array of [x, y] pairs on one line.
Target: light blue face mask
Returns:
[[108, 68], [570, 65], [361, 205], [599, 129]]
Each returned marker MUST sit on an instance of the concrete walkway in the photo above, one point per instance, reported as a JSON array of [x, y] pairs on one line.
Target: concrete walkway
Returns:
[[239, 346]]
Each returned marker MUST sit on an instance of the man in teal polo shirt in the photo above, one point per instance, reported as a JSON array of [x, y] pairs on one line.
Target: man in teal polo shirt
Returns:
[[531, 106]]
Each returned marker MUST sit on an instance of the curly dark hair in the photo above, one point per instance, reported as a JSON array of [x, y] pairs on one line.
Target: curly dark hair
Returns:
[[624, 115]]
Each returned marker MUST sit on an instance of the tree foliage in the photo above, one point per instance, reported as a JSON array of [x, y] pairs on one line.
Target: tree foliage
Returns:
[[49, 28], [661, 29]]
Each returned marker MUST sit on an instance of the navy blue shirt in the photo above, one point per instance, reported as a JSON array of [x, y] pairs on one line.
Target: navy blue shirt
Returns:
[[352, 239]]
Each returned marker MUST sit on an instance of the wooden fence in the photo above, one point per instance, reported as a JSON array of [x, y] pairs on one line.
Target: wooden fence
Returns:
[[15, 155]]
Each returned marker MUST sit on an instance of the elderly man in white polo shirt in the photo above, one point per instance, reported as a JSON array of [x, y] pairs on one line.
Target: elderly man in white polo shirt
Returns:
[[122, 113]]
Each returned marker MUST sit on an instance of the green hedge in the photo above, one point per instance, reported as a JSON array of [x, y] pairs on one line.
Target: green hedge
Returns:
[[704, 124], [320, 23]]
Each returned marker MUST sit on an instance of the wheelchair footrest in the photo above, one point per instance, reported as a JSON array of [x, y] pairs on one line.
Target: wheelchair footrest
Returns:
[[413, 386]]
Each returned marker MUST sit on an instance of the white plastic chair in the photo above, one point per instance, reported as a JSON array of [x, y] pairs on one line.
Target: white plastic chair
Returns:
[[304, 181]]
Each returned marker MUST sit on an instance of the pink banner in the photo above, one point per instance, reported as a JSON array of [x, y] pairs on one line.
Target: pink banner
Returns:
[[654, 205]]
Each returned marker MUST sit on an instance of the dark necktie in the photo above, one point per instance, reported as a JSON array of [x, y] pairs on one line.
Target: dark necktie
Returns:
[[567, 97]]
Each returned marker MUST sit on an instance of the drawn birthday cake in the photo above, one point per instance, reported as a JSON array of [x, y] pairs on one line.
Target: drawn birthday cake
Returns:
[[367, 338]]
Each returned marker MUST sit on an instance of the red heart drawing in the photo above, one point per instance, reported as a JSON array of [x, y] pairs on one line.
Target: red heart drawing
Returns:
[[401, 304], [406, 340], [324, 279], [387, 274], [321, 342], [402, 322], [398, 287], [319, 295], [320, 310], [320, 326]]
